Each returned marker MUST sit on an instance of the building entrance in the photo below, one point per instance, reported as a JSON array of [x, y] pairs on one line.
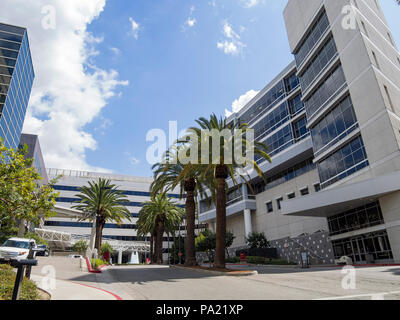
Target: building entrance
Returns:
[[366, 248]]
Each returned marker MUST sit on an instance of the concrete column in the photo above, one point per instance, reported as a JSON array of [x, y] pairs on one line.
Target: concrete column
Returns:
[[247, 222], [120, 257]]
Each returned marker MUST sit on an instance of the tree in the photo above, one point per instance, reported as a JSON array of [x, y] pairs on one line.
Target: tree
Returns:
[[101, 202], [170, 174], [159, 215], [257, 240], [207, 242], [217, 168], [20, 196]]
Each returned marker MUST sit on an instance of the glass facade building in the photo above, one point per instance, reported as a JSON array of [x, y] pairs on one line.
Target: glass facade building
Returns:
[[16, 80]]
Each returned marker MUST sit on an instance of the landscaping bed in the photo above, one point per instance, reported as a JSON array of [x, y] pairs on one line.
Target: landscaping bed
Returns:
[[221, 271], [262, 260], [29, 290]]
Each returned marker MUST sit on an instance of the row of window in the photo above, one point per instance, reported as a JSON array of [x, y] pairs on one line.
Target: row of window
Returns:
[[359, 218], [8, 53], [319, 63], [125, 192], [6, 71], [284, 176], [313, 37], [336, 125], [303, 192], [12, 29], [126, 204], [325, 92], [265, 103], [278, 117], [10, 37], [7, 62], [344, 162], [9, 45]]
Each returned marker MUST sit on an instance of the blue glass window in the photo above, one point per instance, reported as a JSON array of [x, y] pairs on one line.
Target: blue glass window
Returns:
[[344, 162], [271, 121], [296, 105], [325, 92], [312, 38], [336, 125], [324, 57]]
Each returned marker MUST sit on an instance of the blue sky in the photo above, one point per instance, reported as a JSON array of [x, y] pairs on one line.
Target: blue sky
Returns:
[[111, 70]]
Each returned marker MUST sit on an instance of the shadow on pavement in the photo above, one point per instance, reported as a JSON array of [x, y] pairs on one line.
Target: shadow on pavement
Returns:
[[142, 274]]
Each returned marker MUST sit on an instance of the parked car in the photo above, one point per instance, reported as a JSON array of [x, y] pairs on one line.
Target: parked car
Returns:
[[45, 252], [344, 260], [16, 248]]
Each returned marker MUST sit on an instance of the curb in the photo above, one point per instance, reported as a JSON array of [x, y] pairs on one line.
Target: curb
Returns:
[[44, 291], [220, 273], [113, 294], [91, 270], [266, 265]]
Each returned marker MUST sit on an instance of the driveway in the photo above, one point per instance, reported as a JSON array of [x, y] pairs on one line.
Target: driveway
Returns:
[[272, 283]]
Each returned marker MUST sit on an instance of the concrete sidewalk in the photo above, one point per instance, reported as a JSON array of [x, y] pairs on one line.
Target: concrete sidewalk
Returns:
[[70, 290]]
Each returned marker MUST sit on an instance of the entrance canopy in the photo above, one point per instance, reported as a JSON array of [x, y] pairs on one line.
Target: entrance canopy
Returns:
[[56, 239], [330, 202]]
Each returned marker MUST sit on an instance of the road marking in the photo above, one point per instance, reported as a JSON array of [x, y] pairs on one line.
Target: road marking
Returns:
[[374, 296]]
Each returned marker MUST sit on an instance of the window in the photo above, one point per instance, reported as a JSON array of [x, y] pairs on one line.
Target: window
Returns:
[[315, 34], [336, 125], [291, 195], [296, 104], [389, 98], [317, 187], [364, 28], [390, 39], [269, 207], [300, 129], [304, 191], [319, 63], [343, 163], [375, 60], [278, 202], [325, 92]]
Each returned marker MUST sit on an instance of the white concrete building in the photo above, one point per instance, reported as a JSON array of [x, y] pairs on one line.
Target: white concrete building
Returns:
[[128, 247], [332, 122]]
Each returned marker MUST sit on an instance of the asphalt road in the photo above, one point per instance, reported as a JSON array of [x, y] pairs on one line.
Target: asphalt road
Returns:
[[272, 283], [162, 282]]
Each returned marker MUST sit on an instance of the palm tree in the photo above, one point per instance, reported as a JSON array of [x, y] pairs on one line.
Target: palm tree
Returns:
[[101, 202], [157, 216], [217, 169], [170, 174]]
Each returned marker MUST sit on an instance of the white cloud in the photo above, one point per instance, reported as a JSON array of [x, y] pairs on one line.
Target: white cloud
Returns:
[[116, 51], [249, 3], [232, 44], [239, 103], [69, 90], [134, 161], [135, 27], [190, 22]]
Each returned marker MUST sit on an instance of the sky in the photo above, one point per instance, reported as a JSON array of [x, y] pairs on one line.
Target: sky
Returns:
[[109, 71]]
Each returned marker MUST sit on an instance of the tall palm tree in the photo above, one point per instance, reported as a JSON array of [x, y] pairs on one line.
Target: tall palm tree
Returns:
[[157, 216], [222, 168], [101, 202], [170, 174]]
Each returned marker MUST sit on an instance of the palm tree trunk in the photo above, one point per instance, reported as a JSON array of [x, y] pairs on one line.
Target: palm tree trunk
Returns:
[[99, 232], [221, 174], [159, 242], [151, 248], [190, 250]]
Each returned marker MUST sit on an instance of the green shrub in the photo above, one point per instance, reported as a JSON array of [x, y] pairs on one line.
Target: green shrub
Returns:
[[233, 260], [7, 280], [36, 237], [106, 247], [267, 261], [80, 246], [96, 263]]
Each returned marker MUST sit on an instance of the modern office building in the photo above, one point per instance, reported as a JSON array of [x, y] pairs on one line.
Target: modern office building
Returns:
[[16, 80], [332, 122], [125, 235], [35, 153]]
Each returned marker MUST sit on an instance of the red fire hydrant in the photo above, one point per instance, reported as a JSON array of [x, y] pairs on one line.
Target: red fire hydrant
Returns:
[[242, 257]]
